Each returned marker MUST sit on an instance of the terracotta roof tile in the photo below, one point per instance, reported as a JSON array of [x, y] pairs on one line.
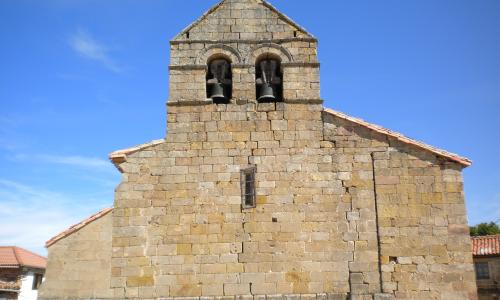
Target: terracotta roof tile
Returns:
[[448, 155], [78, 226], [486, 245], [14, 257]]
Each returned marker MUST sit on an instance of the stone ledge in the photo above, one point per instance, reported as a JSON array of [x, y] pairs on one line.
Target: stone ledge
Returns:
[[187, 67], [249, 41], [245, 66], [241, 102], [304, 101], [324, 296], [190, 102], [301, 64], [329, 296]]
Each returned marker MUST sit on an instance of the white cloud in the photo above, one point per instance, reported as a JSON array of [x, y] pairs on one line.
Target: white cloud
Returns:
[[88, 163], [85, 45], [78, 161], [29, 215]]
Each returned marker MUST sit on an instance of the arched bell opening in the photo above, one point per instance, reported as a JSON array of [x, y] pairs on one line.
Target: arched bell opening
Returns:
[[269, 78], [219, 80]]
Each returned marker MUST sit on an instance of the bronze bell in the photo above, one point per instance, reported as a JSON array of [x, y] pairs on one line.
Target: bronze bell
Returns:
[[217, 92], [266, 93], [219, 81], [269, 82]]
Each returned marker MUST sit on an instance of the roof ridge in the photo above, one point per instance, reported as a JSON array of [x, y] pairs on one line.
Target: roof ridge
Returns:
[[402, 138], [16, 256], [31, 252], [201, 18], [286, 18]]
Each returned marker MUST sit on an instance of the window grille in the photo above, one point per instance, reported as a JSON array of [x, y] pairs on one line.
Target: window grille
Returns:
[[248, 187]]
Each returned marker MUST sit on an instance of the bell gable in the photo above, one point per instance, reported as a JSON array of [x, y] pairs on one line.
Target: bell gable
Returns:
[[242, 20]]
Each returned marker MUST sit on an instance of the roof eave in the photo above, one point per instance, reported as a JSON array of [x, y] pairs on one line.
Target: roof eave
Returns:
[[465, 162], [120, 156], [74, 228]]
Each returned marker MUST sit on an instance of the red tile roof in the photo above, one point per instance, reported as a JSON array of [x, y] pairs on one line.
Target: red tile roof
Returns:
[[77, 226], [450, 156], [486, 245], [15, 257]]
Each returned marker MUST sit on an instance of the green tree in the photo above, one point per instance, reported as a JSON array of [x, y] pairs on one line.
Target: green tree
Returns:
[[484, 229]]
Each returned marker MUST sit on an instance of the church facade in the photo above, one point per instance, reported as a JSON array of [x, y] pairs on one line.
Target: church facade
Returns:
[[259, 192]]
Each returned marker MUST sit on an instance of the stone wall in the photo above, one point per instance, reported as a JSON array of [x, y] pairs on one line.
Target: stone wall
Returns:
[[79, 265], [341, 209], [180, 229], [242, 20], [424, 242], [179, 215], [489, 289]]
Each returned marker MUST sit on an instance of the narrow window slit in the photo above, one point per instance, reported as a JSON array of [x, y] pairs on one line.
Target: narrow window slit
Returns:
[[248, 187]]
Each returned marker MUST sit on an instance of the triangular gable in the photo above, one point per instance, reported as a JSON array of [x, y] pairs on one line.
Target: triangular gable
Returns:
[[214, 21], [406, 140], [78, 226]]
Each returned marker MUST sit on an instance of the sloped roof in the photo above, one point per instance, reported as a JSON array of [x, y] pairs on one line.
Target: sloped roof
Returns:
[[119, 156], [264, 3], [486, 245], [15, 257], [400, 137], [78, 226]]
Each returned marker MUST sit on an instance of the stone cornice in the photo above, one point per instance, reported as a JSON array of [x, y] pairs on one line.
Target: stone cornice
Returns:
[[243, 66], [249, 41], [190, 102]]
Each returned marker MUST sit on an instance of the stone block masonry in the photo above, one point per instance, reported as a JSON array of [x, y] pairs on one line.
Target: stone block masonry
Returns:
[[343, 209], [79, 264], [340, 209]]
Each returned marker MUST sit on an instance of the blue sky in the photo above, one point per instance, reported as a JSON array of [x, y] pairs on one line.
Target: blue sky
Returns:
[[82, 78]]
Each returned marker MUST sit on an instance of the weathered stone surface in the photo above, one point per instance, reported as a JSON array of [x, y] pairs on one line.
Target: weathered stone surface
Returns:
[[341, 210], [79, 265]]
